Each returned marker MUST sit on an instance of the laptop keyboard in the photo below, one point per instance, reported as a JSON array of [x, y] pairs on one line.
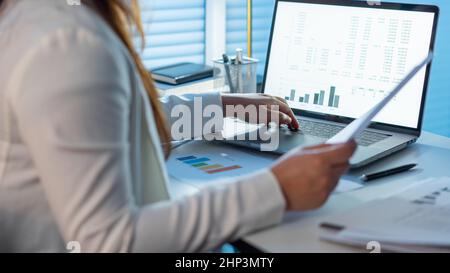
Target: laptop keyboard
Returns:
[[327, 131]]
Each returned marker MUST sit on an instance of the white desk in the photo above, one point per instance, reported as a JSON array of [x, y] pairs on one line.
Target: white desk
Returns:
[[300, 233]]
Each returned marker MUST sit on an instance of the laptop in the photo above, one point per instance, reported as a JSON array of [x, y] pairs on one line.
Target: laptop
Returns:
[[334, 60]]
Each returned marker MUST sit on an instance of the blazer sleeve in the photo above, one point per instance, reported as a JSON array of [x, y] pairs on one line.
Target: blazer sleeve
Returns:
[[194, 109], [71, 99]]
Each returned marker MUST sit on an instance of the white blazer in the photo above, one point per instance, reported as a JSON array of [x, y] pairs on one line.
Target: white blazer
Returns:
[[80, 157]]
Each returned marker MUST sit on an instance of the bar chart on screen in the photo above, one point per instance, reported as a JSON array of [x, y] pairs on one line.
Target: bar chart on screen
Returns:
[[321, 98]]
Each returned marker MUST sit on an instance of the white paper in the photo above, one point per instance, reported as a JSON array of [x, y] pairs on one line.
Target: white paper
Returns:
[[418, 217], [354, 129], [217, 156], [347, 186], [226, 155], [350, 237]]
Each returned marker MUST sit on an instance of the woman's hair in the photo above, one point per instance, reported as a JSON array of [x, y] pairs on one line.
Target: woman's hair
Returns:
[[122, 16]]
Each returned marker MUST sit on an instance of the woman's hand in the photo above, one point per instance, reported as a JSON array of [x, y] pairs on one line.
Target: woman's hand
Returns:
[[265, 102], [307, 177]]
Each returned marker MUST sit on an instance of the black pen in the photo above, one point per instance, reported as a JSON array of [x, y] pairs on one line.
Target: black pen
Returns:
[[373, 176]]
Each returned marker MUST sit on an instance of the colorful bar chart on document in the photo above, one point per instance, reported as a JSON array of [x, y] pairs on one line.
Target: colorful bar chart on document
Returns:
[[200, 164], [204, 163]]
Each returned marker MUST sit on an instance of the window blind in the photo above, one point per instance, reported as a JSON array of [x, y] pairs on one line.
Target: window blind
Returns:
[[237, 27], [174, 30]]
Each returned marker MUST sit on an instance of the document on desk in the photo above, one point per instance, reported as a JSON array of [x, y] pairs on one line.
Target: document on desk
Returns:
[[199, 163], [354, 129], [415, 220], [215, 163]]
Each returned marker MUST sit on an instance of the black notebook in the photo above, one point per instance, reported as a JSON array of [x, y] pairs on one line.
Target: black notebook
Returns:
[[182, 73]]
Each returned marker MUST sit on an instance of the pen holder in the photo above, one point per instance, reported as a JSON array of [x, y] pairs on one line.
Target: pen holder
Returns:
[[236, 78]]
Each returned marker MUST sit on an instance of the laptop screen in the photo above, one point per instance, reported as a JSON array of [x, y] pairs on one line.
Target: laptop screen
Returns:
[[342, 60]]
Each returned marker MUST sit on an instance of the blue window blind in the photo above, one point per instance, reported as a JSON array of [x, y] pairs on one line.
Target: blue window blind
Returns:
[[175, 31], [437, 113], [237, 27]]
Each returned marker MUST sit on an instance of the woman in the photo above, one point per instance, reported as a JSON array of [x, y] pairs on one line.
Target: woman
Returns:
[[81, 129]]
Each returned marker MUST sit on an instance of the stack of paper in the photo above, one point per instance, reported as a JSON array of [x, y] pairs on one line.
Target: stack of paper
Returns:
[[416, 220]]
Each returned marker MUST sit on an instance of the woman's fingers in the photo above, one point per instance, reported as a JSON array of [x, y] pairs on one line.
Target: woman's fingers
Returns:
[[284, 108], [284, 119], [341, 154], [335, 155], [282, 111], [280, 117], [316, 148], [341, 169], [335, 181]]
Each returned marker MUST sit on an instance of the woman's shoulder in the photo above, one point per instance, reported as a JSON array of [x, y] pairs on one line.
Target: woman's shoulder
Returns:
[[70, 45], [27, 23]]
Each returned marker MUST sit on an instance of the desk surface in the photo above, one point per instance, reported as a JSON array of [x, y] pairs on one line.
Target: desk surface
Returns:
[[299, 232]]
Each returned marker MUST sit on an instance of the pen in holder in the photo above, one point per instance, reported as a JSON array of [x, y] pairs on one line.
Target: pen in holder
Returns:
[[235, 75]]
